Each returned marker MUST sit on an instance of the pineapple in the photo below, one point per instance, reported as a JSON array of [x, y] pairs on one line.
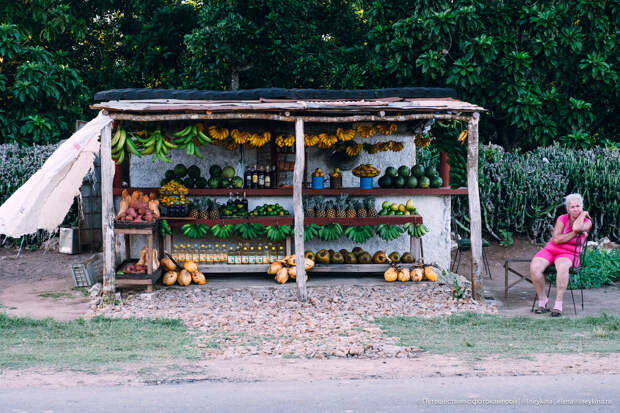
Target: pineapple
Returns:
[[331, 210], [193, 212], [214, 211], [350, 209], [370, 206], [319, 207], [341, 206], [204, 209], [309, 207], [360, 209]]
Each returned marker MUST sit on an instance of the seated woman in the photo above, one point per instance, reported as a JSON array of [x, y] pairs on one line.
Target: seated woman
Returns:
[[560, 251]]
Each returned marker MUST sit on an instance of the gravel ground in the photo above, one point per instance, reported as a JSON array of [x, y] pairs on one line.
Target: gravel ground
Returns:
[[335, 322]]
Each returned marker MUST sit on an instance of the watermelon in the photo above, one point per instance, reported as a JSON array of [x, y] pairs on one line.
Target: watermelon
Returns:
[[228, 172], [418, 171], [188, 183], [391, 172], [169, 175], [385, 182], [237, 182], [404, 171], [411, 182], [213, 182], [430, 172], [225, 183], [436, 182], [215, 171], [425, 182], [201, 182], [193, 171], [398, 182], [180, 170]]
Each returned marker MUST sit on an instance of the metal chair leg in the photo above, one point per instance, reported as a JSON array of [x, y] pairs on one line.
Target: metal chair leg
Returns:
[[458, 260], [486, 263], [573, 297]]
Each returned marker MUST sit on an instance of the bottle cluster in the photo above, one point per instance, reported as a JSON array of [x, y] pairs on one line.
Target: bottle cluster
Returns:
[[260, 177], [237, 253]]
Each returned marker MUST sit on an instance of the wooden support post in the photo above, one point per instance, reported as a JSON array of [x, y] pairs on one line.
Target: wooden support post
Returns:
[[288, 250], [298, 211], [444, 169], [107, 213], [475, 223]]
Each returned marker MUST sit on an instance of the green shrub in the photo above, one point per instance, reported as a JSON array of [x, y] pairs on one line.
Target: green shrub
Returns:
[[599, 268], [523, 193]]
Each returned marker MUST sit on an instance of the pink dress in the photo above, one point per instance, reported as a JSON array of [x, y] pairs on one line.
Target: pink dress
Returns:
[[552, 252]]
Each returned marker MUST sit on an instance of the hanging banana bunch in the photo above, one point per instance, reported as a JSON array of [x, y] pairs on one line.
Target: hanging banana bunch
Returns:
[[190, 137], [386, 128], [156, 145], [259, 139], [422, 141], [283, 140], [310, 140], [218, 134], [354, 149], [345, 135], [462, 137], [365, 130], [326, 141]]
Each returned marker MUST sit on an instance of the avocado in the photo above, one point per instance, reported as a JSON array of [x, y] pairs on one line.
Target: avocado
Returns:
[[391, 172], [322, 257], [180, 170], [350, 258], [193, 171], [337, 258], [309, 255], [404, 171], [364, 258], [394, 256], [406, 258], [385, 182], [418, 171], [379, 257]]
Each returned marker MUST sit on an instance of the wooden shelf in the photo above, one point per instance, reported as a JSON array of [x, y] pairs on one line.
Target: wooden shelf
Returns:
[[391, 220], [307, 191]]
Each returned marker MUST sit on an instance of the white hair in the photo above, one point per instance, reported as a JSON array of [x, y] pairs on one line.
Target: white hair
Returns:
[[573, 197]]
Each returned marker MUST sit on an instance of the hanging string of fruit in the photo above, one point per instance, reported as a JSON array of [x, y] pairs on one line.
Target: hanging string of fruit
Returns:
[[394, 146]]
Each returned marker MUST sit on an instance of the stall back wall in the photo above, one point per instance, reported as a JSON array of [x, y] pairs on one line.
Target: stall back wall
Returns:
[[435, 210]]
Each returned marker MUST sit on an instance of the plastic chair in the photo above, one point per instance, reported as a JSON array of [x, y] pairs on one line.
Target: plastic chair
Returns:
[[464, 244], [575, 270]]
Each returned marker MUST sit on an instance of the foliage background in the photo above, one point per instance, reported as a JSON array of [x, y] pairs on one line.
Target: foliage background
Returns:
[[546, 70]]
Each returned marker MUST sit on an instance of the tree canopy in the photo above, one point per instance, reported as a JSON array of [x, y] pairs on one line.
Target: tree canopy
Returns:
[[546, 70]]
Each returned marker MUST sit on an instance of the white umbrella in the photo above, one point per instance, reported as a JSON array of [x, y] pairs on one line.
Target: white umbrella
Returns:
[[44, 200]]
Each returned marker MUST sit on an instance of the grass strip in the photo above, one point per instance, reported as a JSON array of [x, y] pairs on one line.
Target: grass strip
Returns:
[[496, 334], [25, 342]]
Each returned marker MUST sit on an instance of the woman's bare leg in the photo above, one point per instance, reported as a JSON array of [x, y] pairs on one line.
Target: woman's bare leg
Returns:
[[537, 267], [562, 266]]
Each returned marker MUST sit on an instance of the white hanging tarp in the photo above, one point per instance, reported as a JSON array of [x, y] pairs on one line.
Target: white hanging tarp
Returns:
[[44, 200]]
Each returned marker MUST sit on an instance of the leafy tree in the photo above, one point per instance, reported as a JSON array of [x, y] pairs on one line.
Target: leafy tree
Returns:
[[41, 91], [543, 69]]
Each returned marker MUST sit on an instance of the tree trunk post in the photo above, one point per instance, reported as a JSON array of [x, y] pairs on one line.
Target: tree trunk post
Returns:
[[298, 211], [107, 212], [475, 224]]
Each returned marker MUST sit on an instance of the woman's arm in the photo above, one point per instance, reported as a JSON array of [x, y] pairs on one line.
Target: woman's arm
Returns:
[[580, 225], [558, 237]]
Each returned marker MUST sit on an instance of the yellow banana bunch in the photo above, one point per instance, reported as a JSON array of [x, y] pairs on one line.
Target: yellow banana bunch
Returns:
[[287, 140], [462, 137], [259, 139], [345, 135], [422, 141], [386, 128], [239, 137], [231, 145], [353, 150], [218, 134], [365, 130], [327, 141], [310, 140]]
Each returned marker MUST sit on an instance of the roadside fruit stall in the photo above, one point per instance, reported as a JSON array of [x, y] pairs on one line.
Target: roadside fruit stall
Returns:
[[231, 187]]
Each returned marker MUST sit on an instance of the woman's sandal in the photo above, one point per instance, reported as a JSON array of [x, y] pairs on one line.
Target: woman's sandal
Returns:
[[541, 310], [556, 313]]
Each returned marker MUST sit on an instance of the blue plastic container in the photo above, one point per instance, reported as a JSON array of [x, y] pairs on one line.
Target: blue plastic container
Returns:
[[365, 182], [318, 182]]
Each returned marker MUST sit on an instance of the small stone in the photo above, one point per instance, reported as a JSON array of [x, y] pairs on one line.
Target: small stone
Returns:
[[95, 290], [356, 350]]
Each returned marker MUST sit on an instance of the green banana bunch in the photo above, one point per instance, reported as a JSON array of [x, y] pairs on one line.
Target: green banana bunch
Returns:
[[388, 232], [278, 232], [330, 232], [359, 235], [249, 231], [311, 231], [416, 230], [189, 138], [118, 143], [194, 231], [164, 228], [157, 145], [222, 231]]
